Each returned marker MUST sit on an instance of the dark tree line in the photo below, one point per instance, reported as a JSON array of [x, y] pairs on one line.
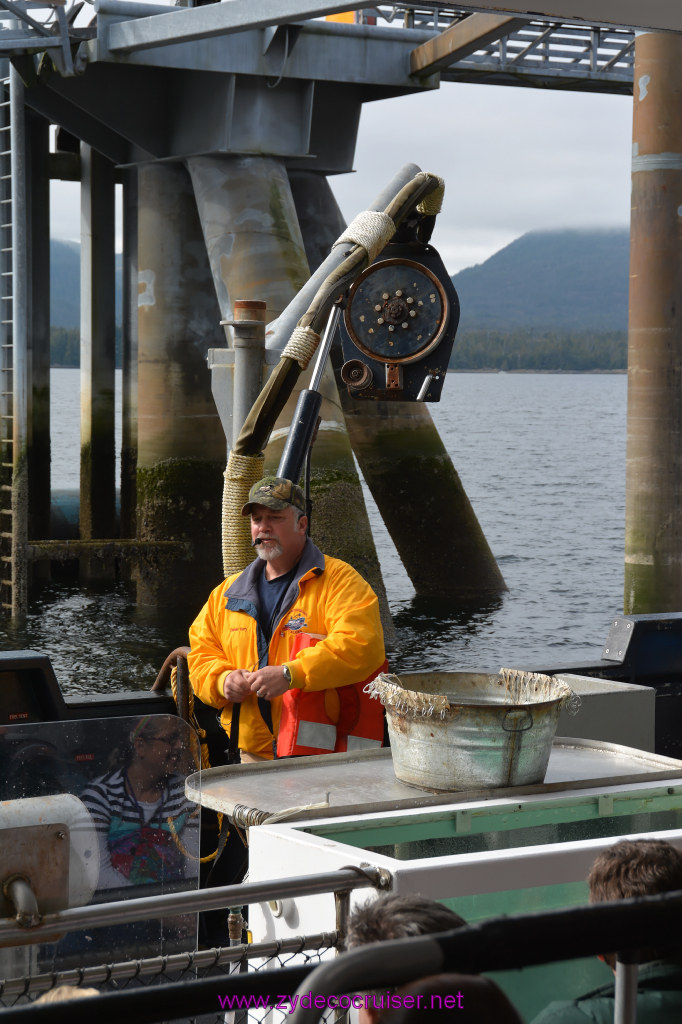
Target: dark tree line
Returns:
[[473, 350], [65, 346], [540, 350]]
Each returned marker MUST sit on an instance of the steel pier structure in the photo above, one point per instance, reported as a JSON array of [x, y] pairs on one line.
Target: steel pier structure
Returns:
[[219, 121]]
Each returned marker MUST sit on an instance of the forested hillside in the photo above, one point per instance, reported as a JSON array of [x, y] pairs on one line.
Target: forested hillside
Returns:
[[552, 300]]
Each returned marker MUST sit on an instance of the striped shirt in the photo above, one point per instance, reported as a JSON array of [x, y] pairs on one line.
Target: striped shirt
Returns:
[[136, 841]]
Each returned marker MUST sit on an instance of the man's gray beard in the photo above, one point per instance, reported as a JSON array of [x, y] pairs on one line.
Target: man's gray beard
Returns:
[[274, 551]]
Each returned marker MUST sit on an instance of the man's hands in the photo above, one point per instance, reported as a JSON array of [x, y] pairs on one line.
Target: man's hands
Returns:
[[237, 685], [267, 682]]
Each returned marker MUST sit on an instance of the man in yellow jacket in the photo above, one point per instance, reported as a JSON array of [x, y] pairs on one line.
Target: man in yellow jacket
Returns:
[[295, 622]]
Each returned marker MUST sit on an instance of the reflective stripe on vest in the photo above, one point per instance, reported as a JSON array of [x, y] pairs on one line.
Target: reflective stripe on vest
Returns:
[[316, 734]]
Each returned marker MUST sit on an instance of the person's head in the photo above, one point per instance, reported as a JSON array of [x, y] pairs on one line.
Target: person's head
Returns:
[[632, 868], [398, 917], [64, 993], [278, 521], [156, 743], [443, 995], [395, 917]]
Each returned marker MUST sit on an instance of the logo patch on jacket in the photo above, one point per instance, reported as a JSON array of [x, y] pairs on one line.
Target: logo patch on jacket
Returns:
[[296, 622]]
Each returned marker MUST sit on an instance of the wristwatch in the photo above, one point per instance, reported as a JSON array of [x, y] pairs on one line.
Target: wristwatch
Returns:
[[287, 674]]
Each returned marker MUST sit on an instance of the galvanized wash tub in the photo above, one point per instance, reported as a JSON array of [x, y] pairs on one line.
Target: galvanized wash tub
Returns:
[[464, 730]]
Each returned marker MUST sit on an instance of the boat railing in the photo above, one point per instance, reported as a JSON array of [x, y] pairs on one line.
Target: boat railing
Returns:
[[219, 966], [511, 943], [498, 944]]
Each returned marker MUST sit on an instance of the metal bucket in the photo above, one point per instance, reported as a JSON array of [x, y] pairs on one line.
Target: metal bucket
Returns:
[[463, 730]]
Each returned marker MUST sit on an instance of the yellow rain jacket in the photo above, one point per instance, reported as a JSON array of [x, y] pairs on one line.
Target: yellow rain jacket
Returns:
[[327, 598]]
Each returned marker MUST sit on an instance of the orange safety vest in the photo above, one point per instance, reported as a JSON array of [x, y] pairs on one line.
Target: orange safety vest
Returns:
[[329, 721]]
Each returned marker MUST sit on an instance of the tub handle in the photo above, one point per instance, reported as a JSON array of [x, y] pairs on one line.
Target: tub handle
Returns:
[[518, 721]]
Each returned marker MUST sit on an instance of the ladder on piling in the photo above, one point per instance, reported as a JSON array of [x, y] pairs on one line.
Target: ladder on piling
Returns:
[[6, 352], [13, 347]]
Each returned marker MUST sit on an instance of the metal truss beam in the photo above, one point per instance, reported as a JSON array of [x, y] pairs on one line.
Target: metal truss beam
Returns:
[[194, 23], [461, 40], [400, 47], [656, 15], [555, 55]]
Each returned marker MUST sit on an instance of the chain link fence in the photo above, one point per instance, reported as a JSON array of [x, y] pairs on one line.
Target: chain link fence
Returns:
[[301, 951]]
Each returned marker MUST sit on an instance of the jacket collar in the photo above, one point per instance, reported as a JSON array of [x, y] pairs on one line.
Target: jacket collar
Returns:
[[245, 586], [657, 974]]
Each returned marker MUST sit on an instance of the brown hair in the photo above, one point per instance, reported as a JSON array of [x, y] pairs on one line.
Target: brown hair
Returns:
[[635, 867], [399, 917], [632, 868]]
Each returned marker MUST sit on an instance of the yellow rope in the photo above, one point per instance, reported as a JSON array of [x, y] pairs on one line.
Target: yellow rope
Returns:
[[204, 762], [431, 204], [371, 229], [242, 472], [301, 345]]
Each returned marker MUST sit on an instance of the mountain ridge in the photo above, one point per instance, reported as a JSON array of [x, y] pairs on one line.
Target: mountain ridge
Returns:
[[569, 280], [65, 284]]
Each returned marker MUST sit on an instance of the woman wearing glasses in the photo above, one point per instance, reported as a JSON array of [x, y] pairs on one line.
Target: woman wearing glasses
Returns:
[[140, 811]]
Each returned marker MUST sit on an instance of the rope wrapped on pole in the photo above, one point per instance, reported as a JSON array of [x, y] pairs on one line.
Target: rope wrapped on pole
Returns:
[[371, 230], [302, 345], [241, 473], [431, 205]]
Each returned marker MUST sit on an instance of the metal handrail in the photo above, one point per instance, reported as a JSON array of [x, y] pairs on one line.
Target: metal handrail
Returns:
[[146, 907]]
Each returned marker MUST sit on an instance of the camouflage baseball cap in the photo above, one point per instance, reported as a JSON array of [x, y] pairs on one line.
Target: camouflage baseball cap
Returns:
[[275, 492]]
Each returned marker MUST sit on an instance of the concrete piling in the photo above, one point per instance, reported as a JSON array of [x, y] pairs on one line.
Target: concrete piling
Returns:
[[653, 504], [256, 252], [422, 501], [97, 477], [39, 332], [249, 223], [181, 445], [129, 356]]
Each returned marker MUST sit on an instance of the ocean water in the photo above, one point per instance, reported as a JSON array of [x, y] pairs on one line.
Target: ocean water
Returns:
[[542, 459]]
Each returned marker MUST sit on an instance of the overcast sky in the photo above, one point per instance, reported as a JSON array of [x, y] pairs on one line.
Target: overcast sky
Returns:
[[514, 160]]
